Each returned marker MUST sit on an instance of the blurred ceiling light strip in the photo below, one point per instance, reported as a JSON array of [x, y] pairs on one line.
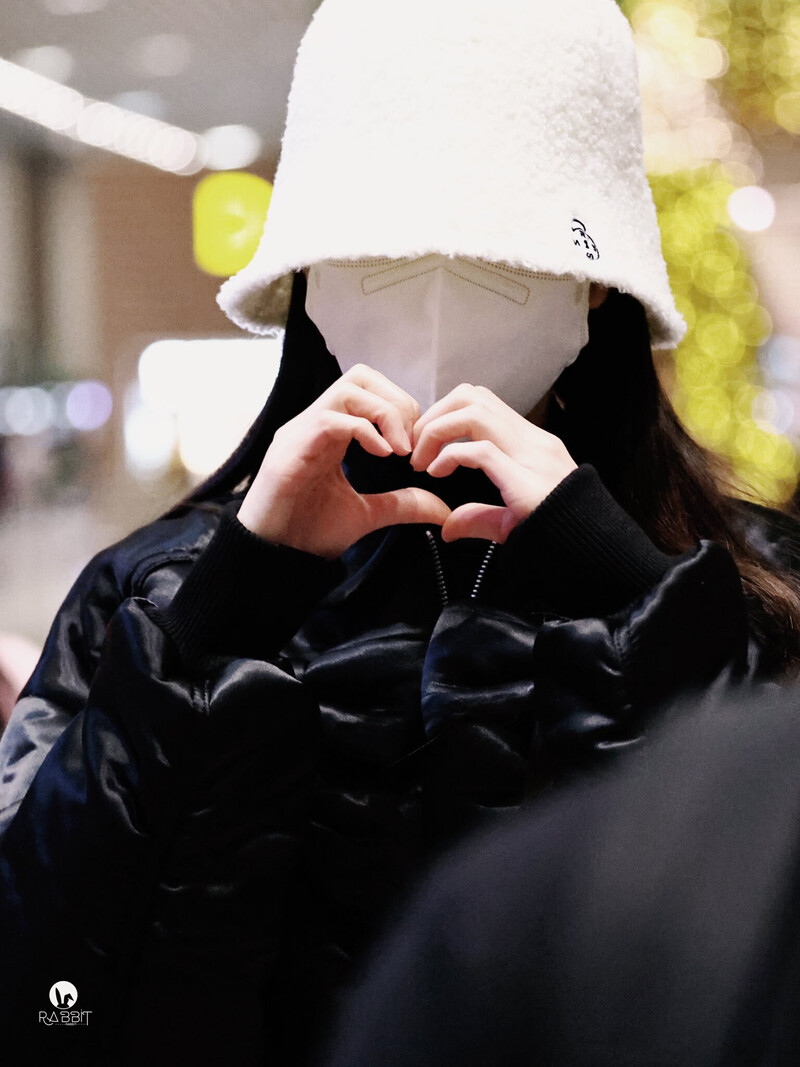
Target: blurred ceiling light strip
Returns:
[[98, 123], [74, 7]]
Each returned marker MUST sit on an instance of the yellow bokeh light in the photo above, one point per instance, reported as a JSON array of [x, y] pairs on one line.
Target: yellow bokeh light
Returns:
[[709, 411], [787, 109], [716, 373], [762, 41], [229, 211]]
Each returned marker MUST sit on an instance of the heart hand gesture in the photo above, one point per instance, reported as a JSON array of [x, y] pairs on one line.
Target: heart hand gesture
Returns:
[[301, 497], [524, 461]]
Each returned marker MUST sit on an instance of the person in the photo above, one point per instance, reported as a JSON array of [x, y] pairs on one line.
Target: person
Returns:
[[649, 916], [466, 552]]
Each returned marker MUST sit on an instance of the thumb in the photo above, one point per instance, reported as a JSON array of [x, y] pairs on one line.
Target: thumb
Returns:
[[403, 506], [486, 521]]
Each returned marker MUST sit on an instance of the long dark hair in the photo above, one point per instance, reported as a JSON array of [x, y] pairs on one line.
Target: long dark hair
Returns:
[[615, 414], [307, 369]]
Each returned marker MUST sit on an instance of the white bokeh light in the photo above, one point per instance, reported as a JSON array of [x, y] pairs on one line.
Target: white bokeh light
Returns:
[[28, 411], [150, 437], [209, 390], [774, 409], [99, 123], [231, 147], [752, 208]]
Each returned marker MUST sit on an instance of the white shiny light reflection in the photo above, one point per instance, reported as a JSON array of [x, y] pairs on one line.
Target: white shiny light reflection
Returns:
[[707, 59], [150, 437], [74, 7], [210, 389], [99, 123], [752, 208], [231, 147]]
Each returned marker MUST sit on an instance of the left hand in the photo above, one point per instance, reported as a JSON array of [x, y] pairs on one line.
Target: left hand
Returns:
[[524, 461]]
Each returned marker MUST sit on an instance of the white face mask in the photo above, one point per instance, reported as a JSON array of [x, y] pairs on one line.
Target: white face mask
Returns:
[[430, 324]]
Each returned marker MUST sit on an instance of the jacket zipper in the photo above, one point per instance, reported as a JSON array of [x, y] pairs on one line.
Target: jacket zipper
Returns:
[[439, 569], [482, 571]]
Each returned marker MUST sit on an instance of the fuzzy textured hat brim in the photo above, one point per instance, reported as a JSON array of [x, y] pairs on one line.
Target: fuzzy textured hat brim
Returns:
[[506, 130]]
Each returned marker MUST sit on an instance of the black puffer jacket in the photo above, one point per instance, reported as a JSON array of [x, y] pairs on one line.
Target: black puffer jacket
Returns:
[[233, 758]]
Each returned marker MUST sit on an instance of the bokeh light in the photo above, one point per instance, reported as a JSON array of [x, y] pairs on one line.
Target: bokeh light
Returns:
[[195, 399], [74, 7], [231, 147], [717, 379], [28, 411], [229, 211], [65, 406], [762, 38], [88, 405], [150, 437], [752, 208], [99, 123], [711, 70]]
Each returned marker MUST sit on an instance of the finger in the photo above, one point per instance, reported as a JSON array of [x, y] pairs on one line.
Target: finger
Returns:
[[471, 422], [486, 521], [479, 455], [404, 506], [375, 382], [356, 400], [337, 429], [462, 396]]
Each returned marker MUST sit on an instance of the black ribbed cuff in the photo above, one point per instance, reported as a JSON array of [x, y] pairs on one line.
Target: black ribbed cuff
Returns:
[[245, 596], [581, 553]]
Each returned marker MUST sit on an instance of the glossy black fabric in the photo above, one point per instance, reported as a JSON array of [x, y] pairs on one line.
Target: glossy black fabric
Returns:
[[647, 917], [176, 844], [206, 845]]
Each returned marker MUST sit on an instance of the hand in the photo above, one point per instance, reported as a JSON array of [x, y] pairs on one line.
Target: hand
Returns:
[[521, 459], [301, 497]]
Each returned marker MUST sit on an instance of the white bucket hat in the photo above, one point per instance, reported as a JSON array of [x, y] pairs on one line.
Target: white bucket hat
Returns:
[[505, 130]]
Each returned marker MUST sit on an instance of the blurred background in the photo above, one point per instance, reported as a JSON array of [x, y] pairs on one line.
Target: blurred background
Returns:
[[137, 144]]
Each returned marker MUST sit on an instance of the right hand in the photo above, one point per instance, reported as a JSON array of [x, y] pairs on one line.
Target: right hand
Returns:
[[301, 497]]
